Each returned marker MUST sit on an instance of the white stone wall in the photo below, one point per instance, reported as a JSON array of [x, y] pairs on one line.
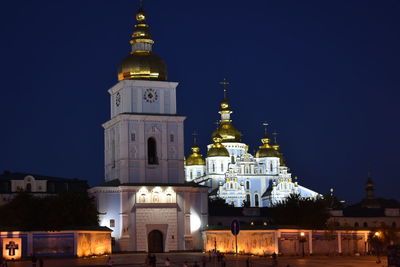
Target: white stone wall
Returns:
[[131, 95], [126, 155], [162, 219], [179, 218]]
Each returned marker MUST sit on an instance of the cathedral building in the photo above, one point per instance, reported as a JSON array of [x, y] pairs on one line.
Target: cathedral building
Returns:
[[232, 173], [145, 199]]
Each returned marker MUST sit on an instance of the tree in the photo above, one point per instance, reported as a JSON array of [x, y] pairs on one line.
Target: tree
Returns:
[[303, 212], [218, 202], [68, 210]]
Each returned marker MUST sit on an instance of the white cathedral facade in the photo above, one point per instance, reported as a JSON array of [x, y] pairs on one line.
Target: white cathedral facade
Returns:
[[145, 199], [242, 179]]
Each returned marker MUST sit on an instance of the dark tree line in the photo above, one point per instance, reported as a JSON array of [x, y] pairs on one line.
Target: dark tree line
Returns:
[[303, 212], [65, 211]]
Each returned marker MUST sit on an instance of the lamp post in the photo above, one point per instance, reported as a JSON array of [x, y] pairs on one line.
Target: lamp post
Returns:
[[302, 241], [377, 236]]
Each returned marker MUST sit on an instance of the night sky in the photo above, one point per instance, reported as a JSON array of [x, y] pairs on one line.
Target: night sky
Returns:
[[324, 74]]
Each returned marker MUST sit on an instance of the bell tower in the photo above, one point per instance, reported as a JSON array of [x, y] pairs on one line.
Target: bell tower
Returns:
[[144, 137]]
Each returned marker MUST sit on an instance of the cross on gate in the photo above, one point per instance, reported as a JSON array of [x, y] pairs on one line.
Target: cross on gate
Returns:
[[11, 247]]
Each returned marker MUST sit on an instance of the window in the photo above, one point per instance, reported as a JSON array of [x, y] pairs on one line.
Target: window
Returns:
[[213, 167], [169, 198], [191, 175], [256, 200], [232, 159], [365, 224], [222, 167], [133, 137], [248, 199], [112, 223], [171, 138], [156, 198], [28, 188], [142, 198], [356, 225], [152, 151], [247, 184], [394, 225], [113, 153]]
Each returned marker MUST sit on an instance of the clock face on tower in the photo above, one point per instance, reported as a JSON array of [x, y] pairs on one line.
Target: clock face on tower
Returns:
[[150, 95]]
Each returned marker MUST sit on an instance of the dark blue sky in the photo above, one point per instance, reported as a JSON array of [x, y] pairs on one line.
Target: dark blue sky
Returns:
[[325, 74]]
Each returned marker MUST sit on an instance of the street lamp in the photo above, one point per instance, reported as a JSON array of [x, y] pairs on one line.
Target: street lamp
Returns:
[[302, 240]]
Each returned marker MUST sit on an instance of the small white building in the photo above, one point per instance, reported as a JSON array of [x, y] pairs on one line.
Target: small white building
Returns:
[[11, 183], [145, 199]]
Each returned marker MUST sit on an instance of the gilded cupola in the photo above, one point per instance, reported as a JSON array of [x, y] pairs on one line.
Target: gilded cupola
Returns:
[[217, 149], [226, 130], [279, 154], [266, 150], [195, 158], [142, 63]]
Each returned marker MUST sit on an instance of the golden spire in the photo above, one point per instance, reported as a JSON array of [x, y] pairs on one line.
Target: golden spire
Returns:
[[195, 158], [142, 63], [226, 131]]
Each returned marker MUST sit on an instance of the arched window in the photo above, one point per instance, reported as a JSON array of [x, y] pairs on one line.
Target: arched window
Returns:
[[156, 197], [394, 225], [356, 225], [213, 167], [28, 187], [365, 224], [169, 198], [247, 184], [248, 199], [152, 151], [232, 159], [256, 202], [191, 175], [222, 166]]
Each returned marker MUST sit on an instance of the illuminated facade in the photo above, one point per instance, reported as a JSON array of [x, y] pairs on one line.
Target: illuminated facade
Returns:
[[145, 199], [237, 176]]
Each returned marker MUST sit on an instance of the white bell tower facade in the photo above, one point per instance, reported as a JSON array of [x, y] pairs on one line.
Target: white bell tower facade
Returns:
[[144, 137]]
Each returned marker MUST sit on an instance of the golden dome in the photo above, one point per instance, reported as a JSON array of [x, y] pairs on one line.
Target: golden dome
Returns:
[[142, 63], [282, 161], [228, 132], [217, 149], [142, 66], [195, 158], [266, 150]]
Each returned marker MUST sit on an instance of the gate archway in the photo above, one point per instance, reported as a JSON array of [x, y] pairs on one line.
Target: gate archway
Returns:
[[155, 241]]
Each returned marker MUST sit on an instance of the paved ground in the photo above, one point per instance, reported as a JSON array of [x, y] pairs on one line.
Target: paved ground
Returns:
[[177, 260]]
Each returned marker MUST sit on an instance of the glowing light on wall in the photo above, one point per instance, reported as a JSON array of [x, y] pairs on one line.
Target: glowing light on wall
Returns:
[[12, 248], [195, 222]]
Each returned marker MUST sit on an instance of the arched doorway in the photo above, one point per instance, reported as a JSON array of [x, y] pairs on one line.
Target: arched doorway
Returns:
[[155, 241]]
